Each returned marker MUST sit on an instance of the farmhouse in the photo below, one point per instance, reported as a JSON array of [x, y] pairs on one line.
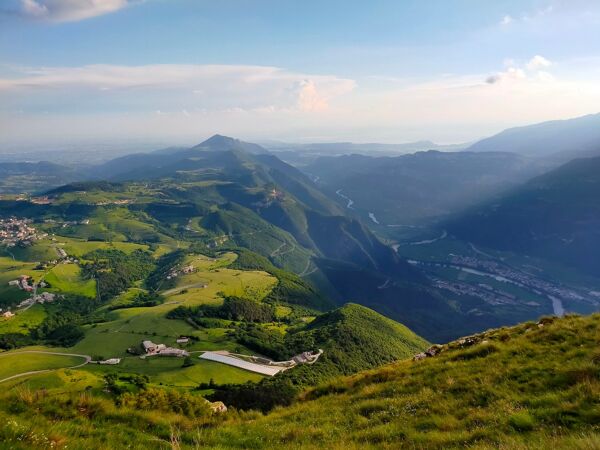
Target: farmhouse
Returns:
[[46, 297], [153, 349], [183, 340], [22, 283]]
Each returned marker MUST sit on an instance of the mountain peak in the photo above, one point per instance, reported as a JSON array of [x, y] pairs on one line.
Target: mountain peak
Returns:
[[219, 142]]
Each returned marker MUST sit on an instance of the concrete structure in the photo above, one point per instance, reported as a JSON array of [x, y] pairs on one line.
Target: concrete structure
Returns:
[[170, 351], [237, 362], [111, 361]]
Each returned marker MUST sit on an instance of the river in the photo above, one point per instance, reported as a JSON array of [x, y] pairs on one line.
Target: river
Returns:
[[348, 199]]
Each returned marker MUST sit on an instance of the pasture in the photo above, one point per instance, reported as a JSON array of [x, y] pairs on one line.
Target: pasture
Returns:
[[23, 320], [67, 278], [16, 363]]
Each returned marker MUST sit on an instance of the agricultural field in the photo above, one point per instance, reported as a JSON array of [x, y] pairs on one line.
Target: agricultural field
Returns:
[[58, 381], [16, 363], [169, 371], [11, 270], [213, 280], [23, 321], [78, 247], [127, 327], [68, 278], [42, 250]]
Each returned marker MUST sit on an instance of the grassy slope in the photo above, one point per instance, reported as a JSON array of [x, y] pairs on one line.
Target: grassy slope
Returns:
[[23, 321], [67, 278], [356, 337], [15, 363], [528, 387]]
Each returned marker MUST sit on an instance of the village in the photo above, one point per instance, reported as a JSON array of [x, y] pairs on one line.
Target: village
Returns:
[[15, 232], [26, 284], [517, 277], [501, 272], [480, 290]]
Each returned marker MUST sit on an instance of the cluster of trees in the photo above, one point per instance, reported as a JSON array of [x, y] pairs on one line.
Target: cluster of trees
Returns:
[[241, 309], [233, 308], [141, 299], [115, 271], [262, 340], [120, 384]]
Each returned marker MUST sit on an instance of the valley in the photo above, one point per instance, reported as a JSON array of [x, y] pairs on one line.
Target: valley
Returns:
[[502, 279], [255, 225], [225, 279]]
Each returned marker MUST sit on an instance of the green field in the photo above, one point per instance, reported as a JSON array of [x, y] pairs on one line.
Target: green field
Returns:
[[16, 363], [220, 281], [67, 278], [59, 381], [169, 371], [11, 270], [41, 250], [23, 321]]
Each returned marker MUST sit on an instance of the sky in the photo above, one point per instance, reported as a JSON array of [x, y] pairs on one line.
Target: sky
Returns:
[[178, 71]]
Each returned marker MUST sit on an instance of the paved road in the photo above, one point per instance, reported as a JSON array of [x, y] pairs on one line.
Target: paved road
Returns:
[[87, 359]]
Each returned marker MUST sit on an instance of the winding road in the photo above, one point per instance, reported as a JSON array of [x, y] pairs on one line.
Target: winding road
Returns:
[[87, 359]]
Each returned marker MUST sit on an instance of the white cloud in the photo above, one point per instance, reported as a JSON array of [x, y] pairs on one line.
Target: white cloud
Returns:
[[33, 8], [252, 102], [213, 87], [514, 73], [506, 20], [509, 75], [70, 10], [309, 98], [538, 62]]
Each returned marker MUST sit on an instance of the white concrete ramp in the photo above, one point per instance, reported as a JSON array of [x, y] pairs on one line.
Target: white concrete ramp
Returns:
[[237, 362]]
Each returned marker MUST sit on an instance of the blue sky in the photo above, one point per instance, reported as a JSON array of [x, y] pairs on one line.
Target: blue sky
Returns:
[[388, 71]]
